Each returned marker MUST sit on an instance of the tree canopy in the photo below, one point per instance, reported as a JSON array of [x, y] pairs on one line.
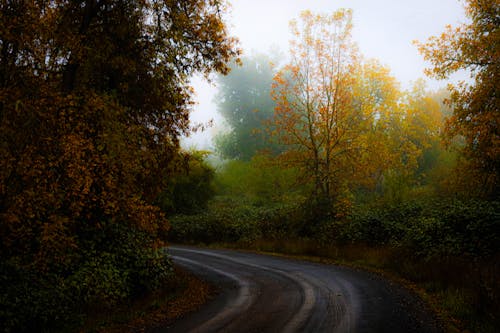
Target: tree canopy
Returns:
[[313, 96], [244, 100], [93, 99], [473, 46]]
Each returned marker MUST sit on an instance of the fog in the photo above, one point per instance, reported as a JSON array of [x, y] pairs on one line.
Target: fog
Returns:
[[382, 29]]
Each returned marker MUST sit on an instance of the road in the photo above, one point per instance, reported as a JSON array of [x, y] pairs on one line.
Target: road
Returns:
[[261, 293]]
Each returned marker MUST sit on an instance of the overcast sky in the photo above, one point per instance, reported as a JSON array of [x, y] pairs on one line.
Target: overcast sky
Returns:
[[383, 29]]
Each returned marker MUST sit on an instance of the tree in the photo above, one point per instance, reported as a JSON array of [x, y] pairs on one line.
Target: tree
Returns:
[[473, 46], [414, 142], [314, 115], [424, 123], [93, 99], [191, 187], [245, 103], [377, 96]]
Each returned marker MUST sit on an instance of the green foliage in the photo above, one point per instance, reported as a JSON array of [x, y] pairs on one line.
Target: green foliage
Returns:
[[190, 188], [229, 222], [428, 229], [377, 225], [260, 182], [26, 294], [245, 103], [254, 199], [223, 225], [102, 277], [457, 228]]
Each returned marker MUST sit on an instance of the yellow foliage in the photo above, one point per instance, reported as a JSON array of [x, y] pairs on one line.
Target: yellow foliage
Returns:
[[473, 46]]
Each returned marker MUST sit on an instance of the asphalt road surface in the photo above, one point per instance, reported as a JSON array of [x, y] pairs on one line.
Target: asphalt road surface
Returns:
[[262, 293]]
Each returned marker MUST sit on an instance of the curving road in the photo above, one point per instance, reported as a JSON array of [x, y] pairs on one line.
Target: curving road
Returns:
[[262, 293]]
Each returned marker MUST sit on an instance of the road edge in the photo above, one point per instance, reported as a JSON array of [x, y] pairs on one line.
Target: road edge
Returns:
[[444, 321]]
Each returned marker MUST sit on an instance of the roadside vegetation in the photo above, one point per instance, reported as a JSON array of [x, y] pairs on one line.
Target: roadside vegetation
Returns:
[[335, 160], [94, 97]]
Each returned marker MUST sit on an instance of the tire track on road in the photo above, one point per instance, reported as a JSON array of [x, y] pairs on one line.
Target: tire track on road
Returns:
[[233, 309], [261, 293], [300, 318]]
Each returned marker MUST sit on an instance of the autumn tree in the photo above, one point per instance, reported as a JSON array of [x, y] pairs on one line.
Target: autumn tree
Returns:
[[414, 142], [314, 116], [376, 97], [473, 46], [93, 99]]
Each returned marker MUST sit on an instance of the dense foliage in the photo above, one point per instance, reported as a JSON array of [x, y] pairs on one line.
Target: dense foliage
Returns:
[[93, 98], [190, 187], [473, 46]]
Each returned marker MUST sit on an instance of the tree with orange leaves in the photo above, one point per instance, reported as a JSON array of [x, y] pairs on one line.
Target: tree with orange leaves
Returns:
[[473, 46], [93, 100], [315, 116]]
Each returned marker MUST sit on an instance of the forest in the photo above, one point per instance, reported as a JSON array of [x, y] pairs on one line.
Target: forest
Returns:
[[324, 154]]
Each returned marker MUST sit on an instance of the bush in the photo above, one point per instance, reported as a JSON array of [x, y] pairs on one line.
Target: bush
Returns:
[[423, 228], [377, 225], [226, 225], [30, 301], [439, 228], [227, 221], [457, 228], [106, 273], [191, 188]]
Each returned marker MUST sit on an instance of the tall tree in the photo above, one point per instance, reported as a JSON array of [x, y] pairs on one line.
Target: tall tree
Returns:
[[473, 46], [314, 116], [93, 98], [377, 97], [414, 141], [245, 102]]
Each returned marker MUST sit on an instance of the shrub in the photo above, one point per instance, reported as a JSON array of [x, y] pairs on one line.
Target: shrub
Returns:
[[105, 274], [377, 225], [457, 228], [191, 188], [439, 228], [227, 221]]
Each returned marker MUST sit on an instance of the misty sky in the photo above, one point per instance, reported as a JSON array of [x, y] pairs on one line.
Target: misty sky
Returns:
[[383, 29]]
